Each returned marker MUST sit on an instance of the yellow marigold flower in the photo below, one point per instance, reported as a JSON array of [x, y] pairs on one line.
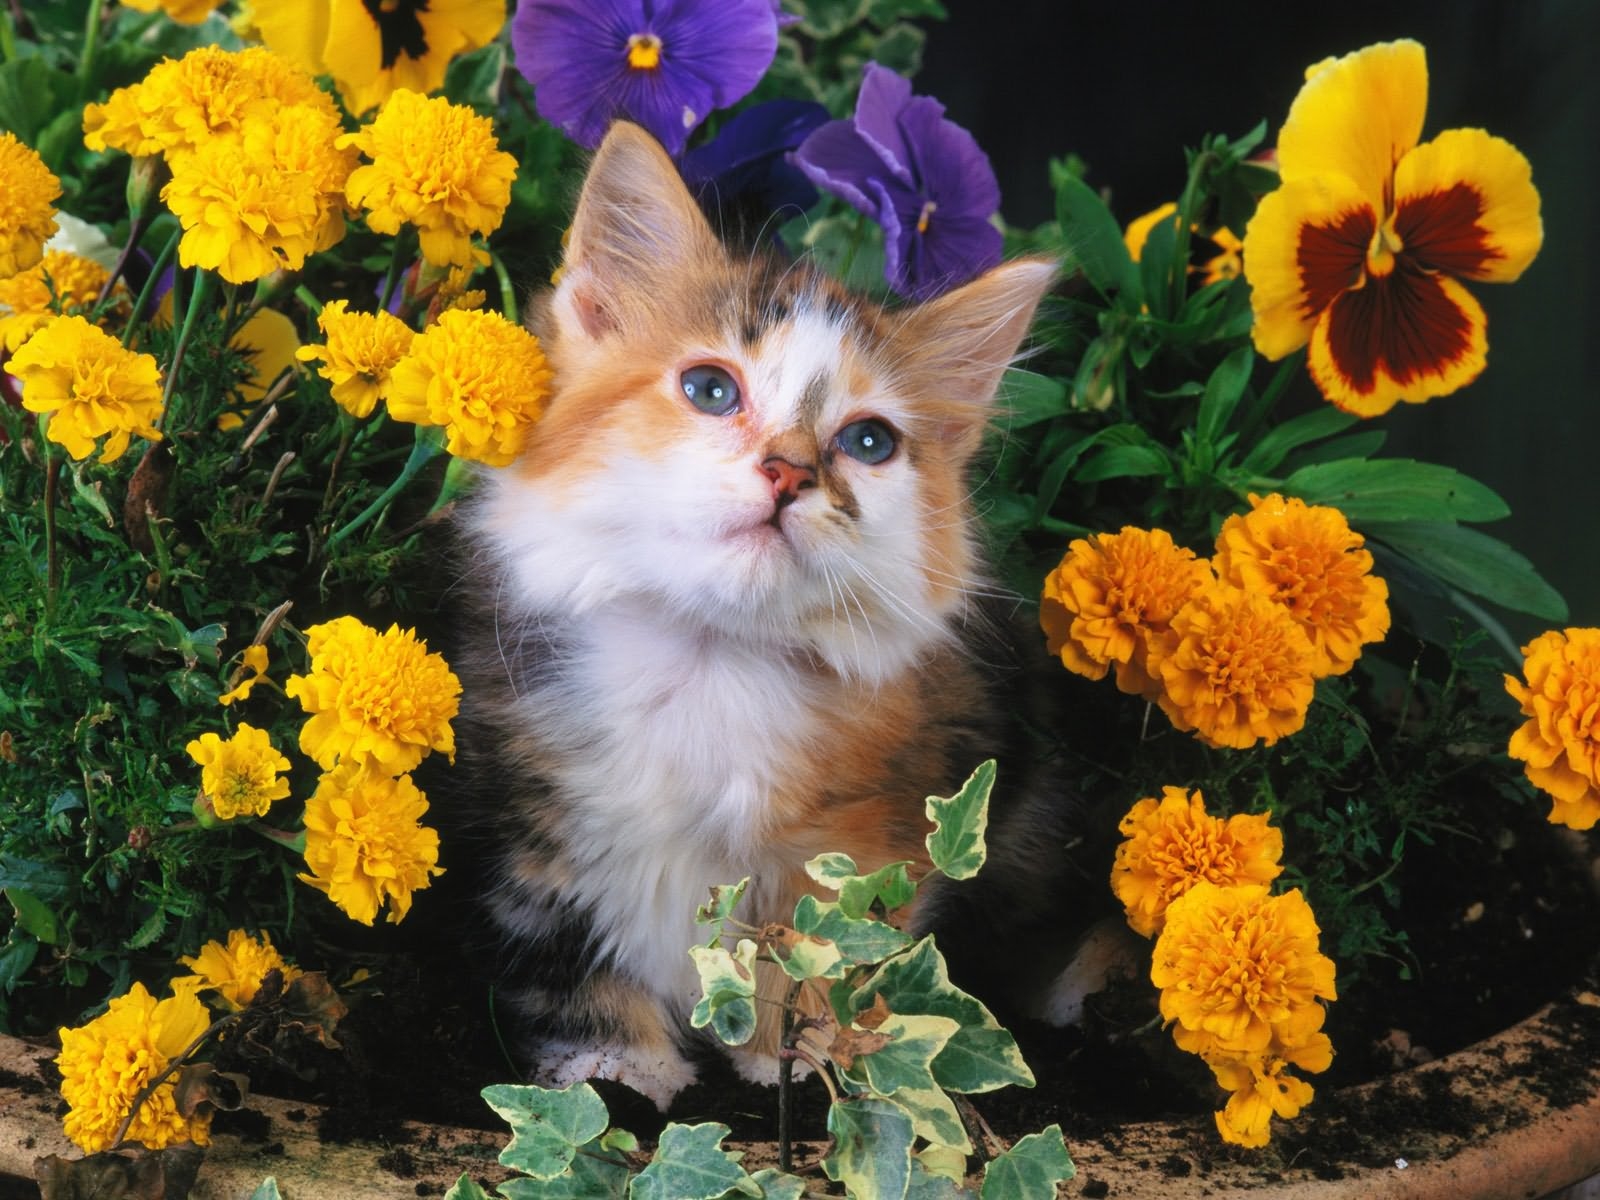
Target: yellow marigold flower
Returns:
[[235, 971], [1262, 1087], [1235, 668], [255, 663], [1361, 251], [480, 377], [371, 50], [1111, 595], [184, 12], [359, 356], [1242, 967], [365, 843], [106, 1063], [27, 206], [1559, 743], [91, 386], [182, 104], [60, 283], [1171, 844], [1307, 558], [378, 698], [437, 166], [240, 775], [265, 200]]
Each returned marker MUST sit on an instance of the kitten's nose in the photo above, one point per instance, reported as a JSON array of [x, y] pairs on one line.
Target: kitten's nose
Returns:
[[788, 479]]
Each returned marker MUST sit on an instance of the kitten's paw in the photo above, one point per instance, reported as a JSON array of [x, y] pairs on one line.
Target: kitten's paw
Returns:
[[1108, 951], [657, 1075], [762, 1068]]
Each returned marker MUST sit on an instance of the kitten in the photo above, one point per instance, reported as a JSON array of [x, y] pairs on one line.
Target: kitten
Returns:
[[728, 618]]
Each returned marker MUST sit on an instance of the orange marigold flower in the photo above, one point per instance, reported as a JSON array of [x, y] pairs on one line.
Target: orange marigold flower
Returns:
[[1361, 251], [1559, 743], [60, 283], [1235, 668], [27, 206], [378, 698], [359, 356], [1171, 844], [108, 1062], [437, 166], [1111, 596], [365, 843], [1307, 558], [235, 971], [1262, 1087], [1241, 968]]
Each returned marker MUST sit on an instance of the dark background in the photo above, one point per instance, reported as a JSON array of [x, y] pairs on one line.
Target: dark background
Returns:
[[1127, 86]]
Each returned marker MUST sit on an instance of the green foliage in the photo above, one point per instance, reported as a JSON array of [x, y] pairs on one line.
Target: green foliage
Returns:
[[956, 845], [1031, 1168]]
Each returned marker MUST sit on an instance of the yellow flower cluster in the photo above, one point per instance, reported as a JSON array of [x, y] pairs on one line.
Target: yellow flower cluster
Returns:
[[106, 1063], [59, 284], [236, 971], [359, 355], [90, 385], [240, 776], [27, 206], [1242, 978], [1559, 743], [258, 174], [378, 703], [1231, 647]]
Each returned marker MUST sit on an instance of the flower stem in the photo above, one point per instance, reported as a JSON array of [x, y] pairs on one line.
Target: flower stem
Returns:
[[313, 305], [1186, 215], [91, 46], [429, 441], [508, 294], [397, 262], [136, 231], [8, 38], [52, 479], [202, 281], [149, 288]]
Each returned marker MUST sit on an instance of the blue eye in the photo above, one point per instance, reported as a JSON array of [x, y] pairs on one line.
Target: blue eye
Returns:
[[869, 441], [710, 389]]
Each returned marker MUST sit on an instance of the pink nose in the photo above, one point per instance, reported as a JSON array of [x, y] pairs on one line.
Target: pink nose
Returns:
[[788, 479]]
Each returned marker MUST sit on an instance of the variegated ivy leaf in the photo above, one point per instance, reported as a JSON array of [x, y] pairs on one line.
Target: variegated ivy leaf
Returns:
[[890, 884], [1031, 1169], [931, 1185], [905, 1059], [729, 983], [980, 1056], [268, 1190], [464, 1188], [858, 939], [944, 1160], [690, 1164], [871, 1152], [547, 1125], [775, 1185], [933, 1116], [805, 956], [725, 898], [956, 843], [596, 1174]]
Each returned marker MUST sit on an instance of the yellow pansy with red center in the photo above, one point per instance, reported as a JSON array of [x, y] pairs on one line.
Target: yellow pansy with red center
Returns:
[[1362, 250], [1559, 744]]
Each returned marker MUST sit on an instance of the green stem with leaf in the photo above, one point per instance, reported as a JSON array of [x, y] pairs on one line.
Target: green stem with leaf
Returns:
[[429, 441]]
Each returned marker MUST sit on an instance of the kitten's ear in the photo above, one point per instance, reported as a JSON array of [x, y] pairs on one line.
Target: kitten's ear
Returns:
[[635, 233], [953, 350]]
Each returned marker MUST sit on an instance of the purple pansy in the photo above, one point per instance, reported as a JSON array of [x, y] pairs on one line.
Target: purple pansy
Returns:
[[747, 165], [662, 63], [919, 175]]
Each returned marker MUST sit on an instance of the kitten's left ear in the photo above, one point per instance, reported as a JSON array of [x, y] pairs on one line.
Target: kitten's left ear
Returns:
[[953, 350]]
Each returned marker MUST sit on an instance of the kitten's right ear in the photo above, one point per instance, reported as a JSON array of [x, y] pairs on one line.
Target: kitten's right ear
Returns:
[[636, 233]]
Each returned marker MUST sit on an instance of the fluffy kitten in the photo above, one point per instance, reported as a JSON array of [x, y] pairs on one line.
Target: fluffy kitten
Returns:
[[728, 617]]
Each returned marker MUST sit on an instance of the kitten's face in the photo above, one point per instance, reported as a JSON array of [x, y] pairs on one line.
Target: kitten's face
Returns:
[[742, 446]]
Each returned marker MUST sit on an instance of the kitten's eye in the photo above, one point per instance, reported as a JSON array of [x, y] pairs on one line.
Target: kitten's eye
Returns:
[[868, 441], [710, 389]]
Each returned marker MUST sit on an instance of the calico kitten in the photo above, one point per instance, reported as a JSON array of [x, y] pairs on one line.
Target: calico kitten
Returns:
[[728, 618]]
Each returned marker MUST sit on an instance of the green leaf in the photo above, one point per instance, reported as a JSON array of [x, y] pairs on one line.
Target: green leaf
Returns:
[[547, 1125], [1396, 489], [933, 1116], [1475, 563], [267, 1189], [149, 930], [1026, 398], [595, 1175], [806, 956], [857, 893], [956, 843], [1224, 388], [775, 1185], [33, 915], [828, 18], [930, 1185], [1122, 462], [1156, 265], [857, 939], [464, 1188], [729, 985], [906, 1060], [1277, 442], [690, 1164], [15, 960], [1094, 242], [1031, 1169], [91, 492], [725, 898], [980, 1056], [1353, 445], [871, 1152], [46, 882]]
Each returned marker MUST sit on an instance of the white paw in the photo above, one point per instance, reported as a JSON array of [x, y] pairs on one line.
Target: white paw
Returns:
[[1108, 951], [655, 1075], [762, 1068]]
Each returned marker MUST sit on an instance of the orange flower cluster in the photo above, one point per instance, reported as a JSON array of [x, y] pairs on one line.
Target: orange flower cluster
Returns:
[[1228, 647], [1559, 744]]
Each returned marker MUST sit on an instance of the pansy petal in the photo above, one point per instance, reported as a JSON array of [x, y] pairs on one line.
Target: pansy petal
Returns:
[[728, 46], [1409, 335], [883, 97], [1305, 245], [1465, 204], [1356, 116]]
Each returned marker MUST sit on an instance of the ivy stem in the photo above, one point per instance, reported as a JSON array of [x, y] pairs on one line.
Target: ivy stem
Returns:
[[91, 45], [786, 1085], [202, 281], [429, 441], [149, 288]]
